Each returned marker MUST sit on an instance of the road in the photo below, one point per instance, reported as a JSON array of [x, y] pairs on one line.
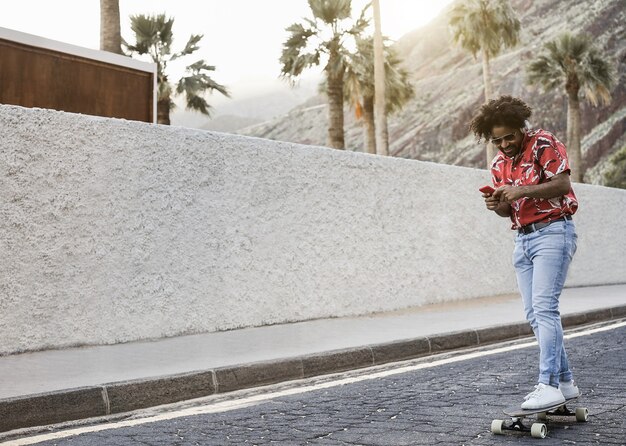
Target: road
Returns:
[[443, 400]]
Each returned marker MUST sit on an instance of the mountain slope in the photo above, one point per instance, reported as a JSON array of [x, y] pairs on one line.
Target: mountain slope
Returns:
[[433, 126], [248, 105]]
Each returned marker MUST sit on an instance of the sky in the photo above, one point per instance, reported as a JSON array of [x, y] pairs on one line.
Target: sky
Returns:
[[242, 38]]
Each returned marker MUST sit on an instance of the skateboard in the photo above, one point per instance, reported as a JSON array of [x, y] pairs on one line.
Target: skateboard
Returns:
[[537, 430]]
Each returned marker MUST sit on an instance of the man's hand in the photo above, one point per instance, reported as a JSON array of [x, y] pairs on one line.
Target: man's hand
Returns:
[[556, 186], [491, 202], [502, 208], [509, 194]]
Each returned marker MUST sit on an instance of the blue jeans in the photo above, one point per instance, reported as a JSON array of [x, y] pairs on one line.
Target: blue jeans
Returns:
[[541, 261]]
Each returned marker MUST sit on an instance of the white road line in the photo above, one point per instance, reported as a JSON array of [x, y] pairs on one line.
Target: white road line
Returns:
[[226, 406]]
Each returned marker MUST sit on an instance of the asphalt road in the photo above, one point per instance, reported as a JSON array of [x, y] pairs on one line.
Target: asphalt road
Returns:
[[452, 403]]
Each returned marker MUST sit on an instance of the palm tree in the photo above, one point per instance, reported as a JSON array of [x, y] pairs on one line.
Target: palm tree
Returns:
[[360, 88], [323, 36], [485, 26], [153, 35], [380, 113], [110, 37], [573, 62]]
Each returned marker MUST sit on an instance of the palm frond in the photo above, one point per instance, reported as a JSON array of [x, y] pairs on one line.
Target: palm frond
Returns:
[[330, 11], [190, 47], [359, 78], [361, 23], [294, 59], [573, 61], [546, 71], [488, 25], [198, 103], [198, 82], [200, 65], [153, 35]]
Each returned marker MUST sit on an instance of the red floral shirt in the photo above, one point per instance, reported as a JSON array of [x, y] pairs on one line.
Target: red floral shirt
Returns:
[[542, 156]]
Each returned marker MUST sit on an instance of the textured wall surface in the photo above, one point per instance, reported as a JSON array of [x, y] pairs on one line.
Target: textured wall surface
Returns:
[[113, 231]]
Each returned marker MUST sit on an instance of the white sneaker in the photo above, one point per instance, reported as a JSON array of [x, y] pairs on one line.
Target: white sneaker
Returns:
[[543, 396], [569, 389], [531, 393]]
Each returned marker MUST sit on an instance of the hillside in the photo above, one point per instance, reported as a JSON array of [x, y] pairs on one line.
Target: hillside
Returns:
[[248, 105], [433, 126]]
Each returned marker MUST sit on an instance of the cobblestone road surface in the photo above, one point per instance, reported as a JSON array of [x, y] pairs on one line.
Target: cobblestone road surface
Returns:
[[447, 405]]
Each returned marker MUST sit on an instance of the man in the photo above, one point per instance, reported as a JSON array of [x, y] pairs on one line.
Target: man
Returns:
[[531, 177]]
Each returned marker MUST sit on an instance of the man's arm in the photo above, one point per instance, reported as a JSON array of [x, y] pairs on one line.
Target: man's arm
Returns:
[[558, 186]]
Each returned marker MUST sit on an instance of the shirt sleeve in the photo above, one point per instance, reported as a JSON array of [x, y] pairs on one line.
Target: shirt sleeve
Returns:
[[497, 177], [552, 156]]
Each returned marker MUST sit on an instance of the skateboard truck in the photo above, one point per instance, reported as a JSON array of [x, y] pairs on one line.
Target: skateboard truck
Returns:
[[537, 430]]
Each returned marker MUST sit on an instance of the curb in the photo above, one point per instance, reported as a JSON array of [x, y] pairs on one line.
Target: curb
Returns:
[[113, 398]]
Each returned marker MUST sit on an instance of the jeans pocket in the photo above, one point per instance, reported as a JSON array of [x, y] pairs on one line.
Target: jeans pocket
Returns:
[[553, 228]]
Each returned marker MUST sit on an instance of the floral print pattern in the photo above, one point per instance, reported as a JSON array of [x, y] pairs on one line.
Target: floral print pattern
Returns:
[[542, 157]]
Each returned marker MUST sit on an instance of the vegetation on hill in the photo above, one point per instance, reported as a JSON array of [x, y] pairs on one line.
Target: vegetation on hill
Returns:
[[616, 173]]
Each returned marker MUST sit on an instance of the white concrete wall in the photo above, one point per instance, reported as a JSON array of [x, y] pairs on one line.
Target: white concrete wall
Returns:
[[113, 231]]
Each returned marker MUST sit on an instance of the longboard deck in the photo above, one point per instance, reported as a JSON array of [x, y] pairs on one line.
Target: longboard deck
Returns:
[[537, 430], [516, 411]]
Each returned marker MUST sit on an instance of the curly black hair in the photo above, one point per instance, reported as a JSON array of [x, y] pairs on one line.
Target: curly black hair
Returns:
[[504, 111]]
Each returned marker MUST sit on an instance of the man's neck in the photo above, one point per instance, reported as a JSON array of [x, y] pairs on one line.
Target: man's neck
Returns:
[[522, 149]]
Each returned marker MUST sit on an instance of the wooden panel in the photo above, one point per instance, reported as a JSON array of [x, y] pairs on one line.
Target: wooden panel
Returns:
[[38, 77]]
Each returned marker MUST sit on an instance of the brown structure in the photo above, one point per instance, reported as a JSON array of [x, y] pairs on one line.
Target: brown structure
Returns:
[[37, 72]]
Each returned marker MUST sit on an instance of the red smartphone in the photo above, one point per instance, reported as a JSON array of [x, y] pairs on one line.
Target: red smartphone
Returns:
[[487, 190]]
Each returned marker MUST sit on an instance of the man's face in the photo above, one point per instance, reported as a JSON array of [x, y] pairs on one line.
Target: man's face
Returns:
[[508, 140]]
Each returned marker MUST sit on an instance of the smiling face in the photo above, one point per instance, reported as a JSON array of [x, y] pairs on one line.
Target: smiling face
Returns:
[[507, 139]]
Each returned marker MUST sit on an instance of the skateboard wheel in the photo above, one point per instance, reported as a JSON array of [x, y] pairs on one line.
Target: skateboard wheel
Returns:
[[542, 416], [582, 414], [538, 430], [496, 426]]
